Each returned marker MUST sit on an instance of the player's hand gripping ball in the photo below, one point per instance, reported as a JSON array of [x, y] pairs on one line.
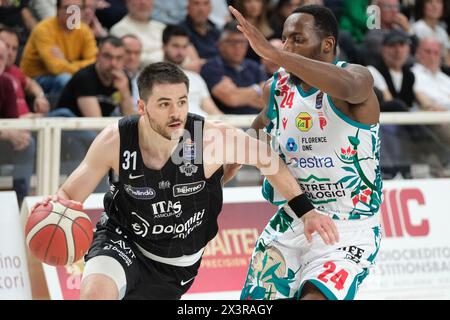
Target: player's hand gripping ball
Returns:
[[59, 232]]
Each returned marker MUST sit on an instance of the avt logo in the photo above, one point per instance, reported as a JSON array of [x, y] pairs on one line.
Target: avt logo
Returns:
[[396, 216], [182, 190]]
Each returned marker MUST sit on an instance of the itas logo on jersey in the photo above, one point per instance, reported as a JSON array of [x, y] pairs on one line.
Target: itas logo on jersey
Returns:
[[141, 193], [304, 121], [165, 209], [182, 190]]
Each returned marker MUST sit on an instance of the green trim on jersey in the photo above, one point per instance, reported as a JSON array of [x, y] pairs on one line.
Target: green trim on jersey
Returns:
[[355, 284], [319, 285], [304, 94], [341, 115]]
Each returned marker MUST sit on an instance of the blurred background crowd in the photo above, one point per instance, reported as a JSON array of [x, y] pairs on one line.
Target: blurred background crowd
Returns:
[[57, 60]]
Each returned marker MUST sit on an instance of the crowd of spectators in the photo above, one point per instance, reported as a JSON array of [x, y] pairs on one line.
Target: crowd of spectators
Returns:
[[81, 58]]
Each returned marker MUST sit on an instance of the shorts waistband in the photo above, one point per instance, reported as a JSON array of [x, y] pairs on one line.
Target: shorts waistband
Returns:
[[183, 261]]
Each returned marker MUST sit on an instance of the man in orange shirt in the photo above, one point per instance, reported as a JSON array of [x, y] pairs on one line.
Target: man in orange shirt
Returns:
[[58, 47]]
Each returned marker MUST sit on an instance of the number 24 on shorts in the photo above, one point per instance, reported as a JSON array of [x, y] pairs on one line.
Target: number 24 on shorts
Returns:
[[338, 278]]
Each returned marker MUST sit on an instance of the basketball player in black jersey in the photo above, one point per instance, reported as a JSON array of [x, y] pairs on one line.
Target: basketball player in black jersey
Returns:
[[162, 208]]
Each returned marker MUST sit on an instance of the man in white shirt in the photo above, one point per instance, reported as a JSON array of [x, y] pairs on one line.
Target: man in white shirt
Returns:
[[431, 82], [432, 86], [138, 22], [176, 44]]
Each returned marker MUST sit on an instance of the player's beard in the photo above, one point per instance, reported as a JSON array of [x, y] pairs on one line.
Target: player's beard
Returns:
[[162, 130]]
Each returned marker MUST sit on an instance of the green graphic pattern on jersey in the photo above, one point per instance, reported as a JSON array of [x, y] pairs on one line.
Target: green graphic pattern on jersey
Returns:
[[335, 159]]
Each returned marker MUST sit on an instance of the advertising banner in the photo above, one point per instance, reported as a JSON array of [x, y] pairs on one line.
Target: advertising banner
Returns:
[[413, 261], [14, 279]]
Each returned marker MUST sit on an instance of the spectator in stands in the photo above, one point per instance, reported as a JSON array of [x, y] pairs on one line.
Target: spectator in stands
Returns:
[[428, 15], [89, 17], [99, 89], [234, 82], [17, 15], [176, 44], [431, 82], [169, 12], [16, 146], [390, 18], [47, 8], [278, 16], [255, 11], [138, 22], [133, 51], [354, 18], [432, 86], [109, 12], [22, 84], [202, 32], [57, 49]]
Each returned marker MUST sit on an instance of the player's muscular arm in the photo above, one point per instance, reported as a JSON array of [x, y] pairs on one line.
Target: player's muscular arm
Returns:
[[101, 156], [261, 121]]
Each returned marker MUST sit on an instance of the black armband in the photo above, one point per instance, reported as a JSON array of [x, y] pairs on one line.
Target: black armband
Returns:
[[301, 205]]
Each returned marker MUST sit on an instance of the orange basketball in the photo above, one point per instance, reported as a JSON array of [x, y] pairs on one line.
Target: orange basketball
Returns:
[[58, 233]]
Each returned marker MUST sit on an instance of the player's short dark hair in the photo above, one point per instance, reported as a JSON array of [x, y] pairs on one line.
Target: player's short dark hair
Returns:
[[324, 20], [112, 40], [10, 30], [159, 73], [173, 31]]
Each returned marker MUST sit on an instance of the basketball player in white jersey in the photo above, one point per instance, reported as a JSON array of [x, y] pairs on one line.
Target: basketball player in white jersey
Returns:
[[323, 118]]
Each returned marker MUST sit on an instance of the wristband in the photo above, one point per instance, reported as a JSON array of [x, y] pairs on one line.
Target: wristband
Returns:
[[301, 205]]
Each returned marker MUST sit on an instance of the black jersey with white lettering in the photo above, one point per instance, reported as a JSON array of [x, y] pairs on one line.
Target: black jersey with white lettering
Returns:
[[169, 212]]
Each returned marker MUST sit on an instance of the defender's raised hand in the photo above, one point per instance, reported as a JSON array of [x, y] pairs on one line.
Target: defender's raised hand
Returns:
[[256, 39]]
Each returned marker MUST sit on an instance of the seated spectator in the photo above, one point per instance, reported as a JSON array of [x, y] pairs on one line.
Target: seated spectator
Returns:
[[431, 83], [280, 13], [169, 12], [17, 15], [406, 145], [109, 12], [428, 15], [390, 18], [138, 22], [89, 17], [21, 83], [16, 146], [56, 49], [255, 11], [234, 82], [202, 32], [99, 89], [354, 19], [432, 86], [133, 51], [176, 44]]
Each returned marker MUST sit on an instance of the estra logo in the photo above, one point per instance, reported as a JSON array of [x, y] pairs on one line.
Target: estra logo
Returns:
[[396, 216]]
